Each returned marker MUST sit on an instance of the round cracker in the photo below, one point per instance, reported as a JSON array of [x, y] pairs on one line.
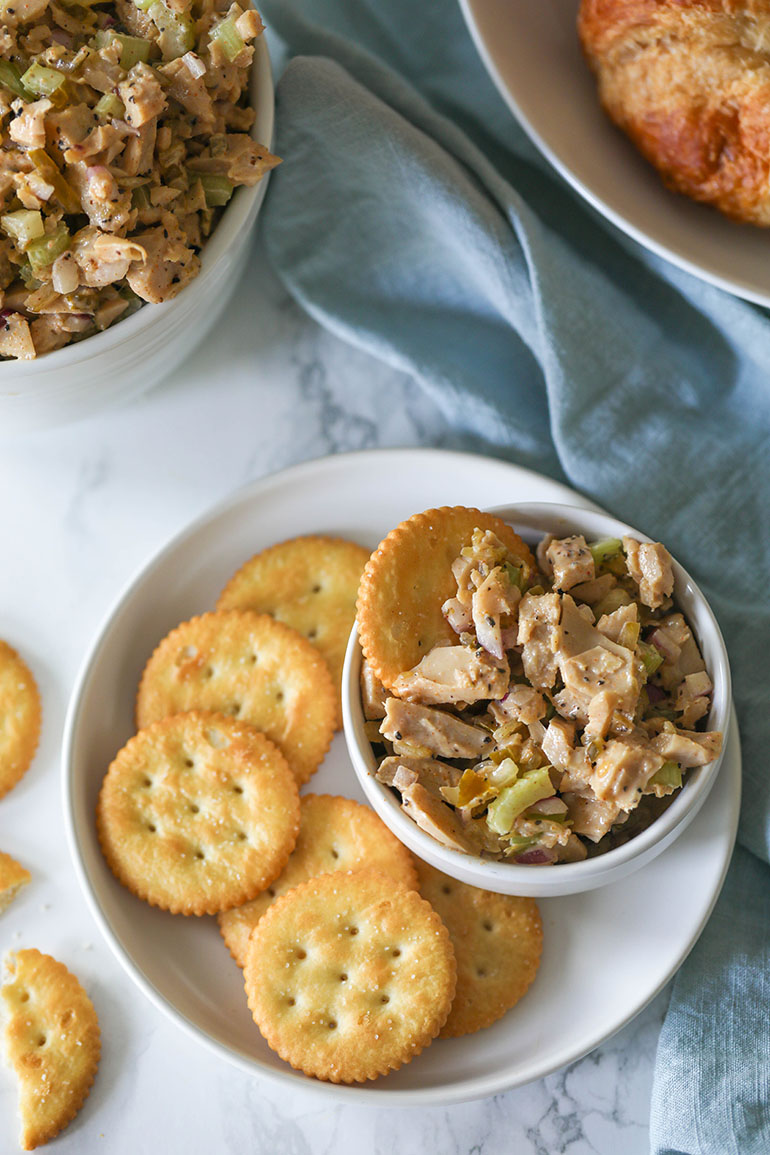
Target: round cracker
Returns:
[[252, 667], [52, 1043], [497, 939], [310, 583], [335, 834], [407, 580], [349, 976], [19, 718], [198, 813]]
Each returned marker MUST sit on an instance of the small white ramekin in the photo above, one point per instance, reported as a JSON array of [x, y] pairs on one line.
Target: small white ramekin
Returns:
[[133, 355], [532, 521]]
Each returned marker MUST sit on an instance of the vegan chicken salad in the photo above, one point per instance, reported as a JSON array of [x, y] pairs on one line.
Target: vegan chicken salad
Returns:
[[564, 712], [125, 129]]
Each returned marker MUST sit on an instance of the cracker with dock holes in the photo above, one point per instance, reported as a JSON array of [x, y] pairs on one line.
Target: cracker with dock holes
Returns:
[[52, 1043], [497, 939], [334, 834], [253, 668], [349, 976], [310, 583], [19, 718], [198, 813], [407, 580], [13, 877]]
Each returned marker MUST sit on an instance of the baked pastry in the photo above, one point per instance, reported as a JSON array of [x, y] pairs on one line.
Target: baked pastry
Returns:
[[689, 82]]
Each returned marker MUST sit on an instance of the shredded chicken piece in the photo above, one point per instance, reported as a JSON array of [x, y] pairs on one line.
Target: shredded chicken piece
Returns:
[[520, 704], [454, 674], [538, 621], [571, 561], [623, 770], [435, 818], [649, 564], [434, 730]]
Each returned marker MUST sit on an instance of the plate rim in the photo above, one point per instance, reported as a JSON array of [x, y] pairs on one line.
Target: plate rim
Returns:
[[365, 1095], [736, 288]]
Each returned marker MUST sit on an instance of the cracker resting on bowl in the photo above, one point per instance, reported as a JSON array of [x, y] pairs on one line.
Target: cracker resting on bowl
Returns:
[[407, 580]]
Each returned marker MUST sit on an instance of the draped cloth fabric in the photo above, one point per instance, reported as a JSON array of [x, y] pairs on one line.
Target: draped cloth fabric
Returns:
[[413, 218]]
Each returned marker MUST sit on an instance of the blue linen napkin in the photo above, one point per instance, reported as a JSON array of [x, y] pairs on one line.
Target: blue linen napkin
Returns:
[[413, 218]]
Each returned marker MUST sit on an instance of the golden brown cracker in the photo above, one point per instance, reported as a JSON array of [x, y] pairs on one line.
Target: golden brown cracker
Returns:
[[13, 876], [310, 583], [497, 939], [349, 976], [335, 834], [252, 667], [407, 580], [198, 813], [52, 1043], [19, 718]]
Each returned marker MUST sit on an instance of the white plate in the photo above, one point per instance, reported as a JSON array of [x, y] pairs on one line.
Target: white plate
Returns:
[[532, 52], [607, 952]]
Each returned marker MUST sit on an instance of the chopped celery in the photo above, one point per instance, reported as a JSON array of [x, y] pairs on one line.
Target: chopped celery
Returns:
[[670, 774], [595, 748], [110, 106], [66, 196], [515, 575], [140, 199], [144, 5], [629, 635], [230, 39], [652, 658], [44, 251], [605, 549], [505, 774], [515, 799], [24, 226], [519, 842], [216, 188], [177, 31], [10, 78], [42, 81], [132, 50]]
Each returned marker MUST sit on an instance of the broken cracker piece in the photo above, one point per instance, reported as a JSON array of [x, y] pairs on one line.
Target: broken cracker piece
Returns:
[[52, 1043], [13, 877]]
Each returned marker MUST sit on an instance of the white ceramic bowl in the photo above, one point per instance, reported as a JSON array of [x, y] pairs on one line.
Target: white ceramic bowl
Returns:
[[133, 355], [532, 521]]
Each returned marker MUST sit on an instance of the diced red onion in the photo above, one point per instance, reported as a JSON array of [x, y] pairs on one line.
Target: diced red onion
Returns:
[[655, 693], [61, 37], [538, 856]]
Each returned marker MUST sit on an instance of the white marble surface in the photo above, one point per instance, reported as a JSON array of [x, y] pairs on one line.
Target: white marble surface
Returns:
[[83, 507]]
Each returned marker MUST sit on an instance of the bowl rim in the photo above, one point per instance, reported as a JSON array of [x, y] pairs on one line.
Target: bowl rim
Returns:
[[490, 874], [226, 233]]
